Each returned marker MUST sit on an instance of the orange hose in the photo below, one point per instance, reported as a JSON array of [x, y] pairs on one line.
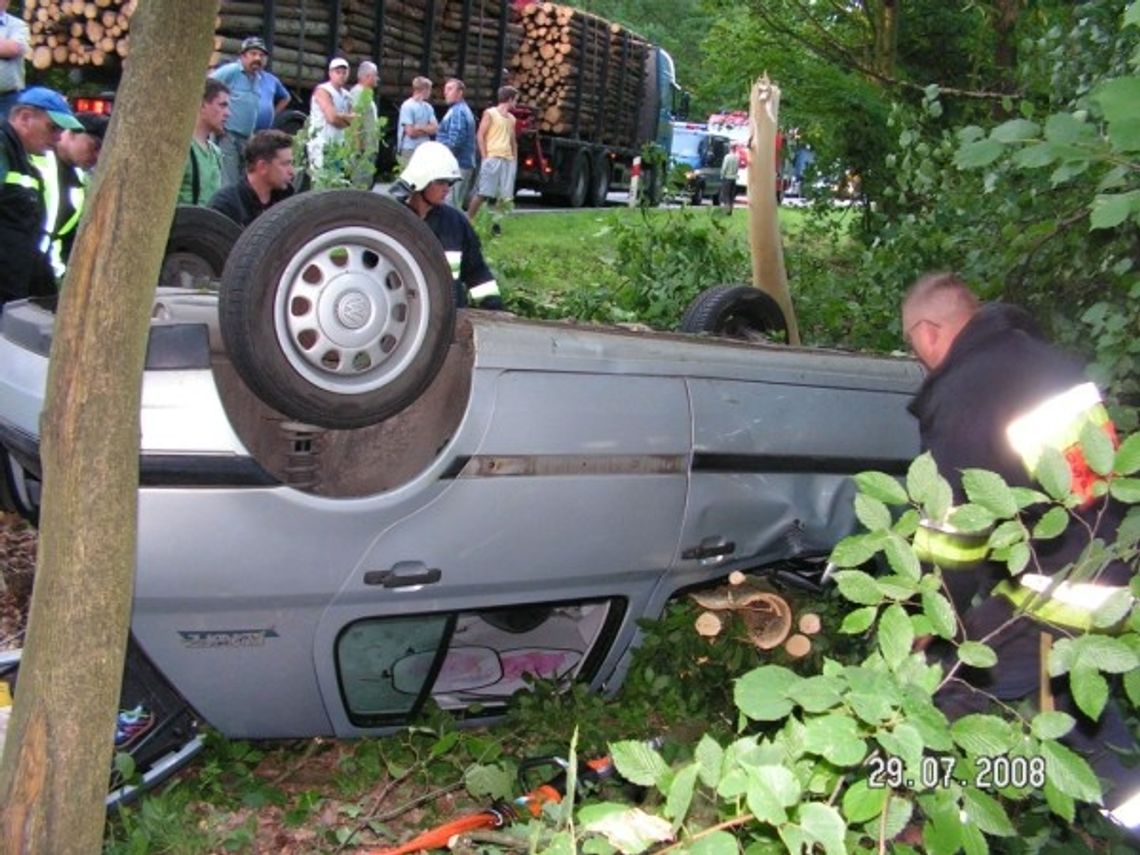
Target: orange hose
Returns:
[[437, 838]]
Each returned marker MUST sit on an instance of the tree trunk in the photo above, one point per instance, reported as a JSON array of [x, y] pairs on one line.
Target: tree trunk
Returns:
[[768, 272], [886, 43], [1004, 14], [53, 778]]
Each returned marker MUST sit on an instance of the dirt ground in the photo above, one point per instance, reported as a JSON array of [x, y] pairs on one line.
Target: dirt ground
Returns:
[[17, 564]]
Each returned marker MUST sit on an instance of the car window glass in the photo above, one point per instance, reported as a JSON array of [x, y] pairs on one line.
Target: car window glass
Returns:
[[388, 666]]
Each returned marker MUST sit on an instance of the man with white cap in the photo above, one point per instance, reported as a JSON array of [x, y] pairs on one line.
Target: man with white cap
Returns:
[[256, 96], [34, 126], [424, 186], [331, 113]]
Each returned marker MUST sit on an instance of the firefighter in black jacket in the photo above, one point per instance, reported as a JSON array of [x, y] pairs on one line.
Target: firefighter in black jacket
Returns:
[[996, 396], [423, 186], [33, 126]]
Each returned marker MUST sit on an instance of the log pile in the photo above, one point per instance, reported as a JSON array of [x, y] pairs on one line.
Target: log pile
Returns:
[[77, 32], [582, 74]]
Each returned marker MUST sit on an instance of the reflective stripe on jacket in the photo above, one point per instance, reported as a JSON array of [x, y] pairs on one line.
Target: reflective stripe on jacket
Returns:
[[1067, 604]]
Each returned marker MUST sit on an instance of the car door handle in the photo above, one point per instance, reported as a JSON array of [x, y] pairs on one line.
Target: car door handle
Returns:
[[404, 574], [710, 547]]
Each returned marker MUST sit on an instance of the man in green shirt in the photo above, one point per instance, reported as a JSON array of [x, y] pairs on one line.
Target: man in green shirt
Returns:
[[202, 177]]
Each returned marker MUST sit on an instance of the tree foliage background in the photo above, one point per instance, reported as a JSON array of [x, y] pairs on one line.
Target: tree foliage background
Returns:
[[996, 137]]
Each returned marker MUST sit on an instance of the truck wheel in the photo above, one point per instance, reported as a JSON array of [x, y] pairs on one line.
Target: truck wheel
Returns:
[[698, 195], [579, 181], [599, 181], [653, 185], [199, 244], [289, 121], [337, 307], [736, 311]]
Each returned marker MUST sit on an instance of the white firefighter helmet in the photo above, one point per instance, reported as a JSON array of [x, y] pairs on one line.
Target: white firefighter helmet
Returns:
[[431, 161]]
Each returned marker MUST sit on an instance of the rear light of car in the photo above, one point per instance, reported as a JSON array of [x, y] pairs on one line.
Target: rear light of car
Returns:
[[93, 104]]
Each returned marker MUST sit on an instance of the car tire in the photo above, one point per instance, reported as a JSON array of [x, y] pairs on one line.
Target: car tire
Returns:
[[337, 308], [599, 180], [698, 195], [579, 181], [199, 244], [290, 121], [736, 311]]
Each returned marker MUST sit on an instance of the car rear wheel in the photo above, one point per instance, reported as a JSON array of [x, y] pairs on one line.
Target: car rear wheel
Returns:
[[736, 311], [200, 242], [337, 308]]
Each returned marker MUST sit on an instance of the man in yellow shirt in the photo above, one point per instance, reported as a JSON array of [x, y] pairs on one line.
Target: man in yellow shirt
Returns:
[[498, 151]]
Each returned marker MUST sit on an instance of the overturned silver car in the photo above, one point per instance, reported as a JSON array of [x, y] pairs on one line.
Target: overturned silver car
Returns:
[[353, 500]]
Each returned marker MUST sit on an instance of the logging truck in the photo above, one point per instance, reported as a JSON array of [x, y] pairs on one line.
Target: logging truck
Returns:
[[593, 93]]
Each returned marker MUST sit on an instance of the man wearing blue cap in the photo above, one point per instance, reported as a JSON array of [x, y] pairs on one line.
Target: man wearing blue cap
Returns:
[[33, 126], [256, 96], [13, 46]]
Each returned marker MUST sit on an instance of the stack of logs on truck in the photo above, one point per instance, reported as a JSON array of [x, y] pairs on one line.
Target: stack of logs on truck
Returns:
[[592, 93]]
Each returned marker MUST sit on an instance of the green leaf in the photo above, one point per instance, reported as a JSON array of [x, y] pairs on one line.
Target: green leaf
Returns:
[[1114, 610], [761, 694], [1118, 98], [871, 708], [872, 513], [710, 760], [854, 550], [930, 721], [1132, 14], [836, 739], [858, 621], [978, 154], [858, 587], [825, 826], [977, 655], [1054, 474], [717, 843], [1132, 687], [1128, 456], [896, 635], [817, 694], [989, 490], [1060, 803], [982, 734], [941, 613], [1051, 725], [1090, 690], [681, 794], [1015, 130], [922, 477], [629, 830], [971, 518], [1018, 559], [1070, 773], [1026, 497], [1109, 210], [903, 741], [1125, 490], [1096, 447], [901, 558], [768, 791], [861, 803], [1006, 534], [879, 485], [638, 763], [1055, 521], [1112, 655], [1065, 128], [899, 812], [1034, 156], [907, 524], [987, 812], [489, 780]]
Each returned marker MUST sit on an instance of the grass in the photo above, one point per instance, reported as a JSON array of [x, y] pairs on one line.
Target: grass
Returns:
[[558, 251]]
